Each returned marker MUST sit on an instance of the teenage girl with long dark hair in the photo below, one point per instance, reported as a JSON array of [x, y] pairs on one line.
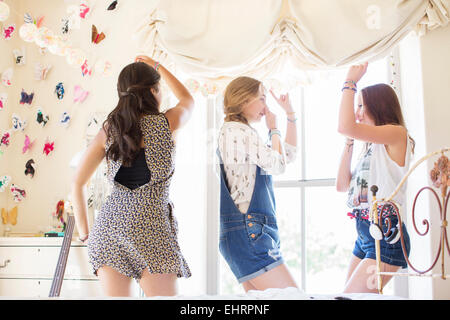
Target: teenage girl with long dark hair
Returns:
[[378, 121], [135, 233]]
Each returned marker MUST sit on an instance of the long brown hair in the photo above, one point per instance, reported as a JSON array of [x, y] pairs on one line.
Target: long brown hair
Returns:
[[122, 126], [381, 102], [238, 92]]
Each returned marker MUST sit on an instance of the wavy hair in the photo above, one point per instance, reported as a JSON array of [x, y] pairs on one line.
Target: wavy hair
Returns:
[[238, 92], [122, 126]]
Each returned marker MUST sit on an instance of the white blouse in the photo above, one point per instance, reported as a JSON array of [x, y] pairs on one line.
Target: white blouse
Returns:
[[242, 150]]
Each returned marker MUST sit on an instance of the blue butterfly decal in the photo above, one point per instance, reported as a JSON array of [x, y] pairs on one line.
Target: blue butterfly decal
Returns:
[[26, 98]]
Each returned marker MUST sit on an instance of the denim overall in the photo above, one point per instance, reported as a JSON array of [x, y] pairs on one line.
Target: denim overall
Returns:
[[249, 242]]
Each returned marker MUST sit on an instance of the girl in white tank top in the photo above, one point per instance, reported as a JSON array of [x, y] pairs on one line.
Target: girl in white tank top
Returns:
[[378, 121]]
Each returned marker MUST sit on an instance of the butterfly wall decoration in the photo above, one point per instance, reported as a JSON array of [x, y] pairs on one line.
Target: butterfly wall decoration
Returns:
[[3, 100], [4, 181], [48, 147], [5, 139], [113, 5], [30, 169], [8, 31], [19, 194], [19, 56], [9, 217], [97, 37], [79, 94], [27, 145], [26, 98], [65, 119], [41, 117], [59, 90], [41, 71], [18, 123], [7, 76]]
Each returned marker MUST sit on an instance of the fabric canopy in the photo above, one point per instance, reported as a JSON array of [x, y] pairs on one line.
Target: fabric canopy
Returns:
[[216, 40]]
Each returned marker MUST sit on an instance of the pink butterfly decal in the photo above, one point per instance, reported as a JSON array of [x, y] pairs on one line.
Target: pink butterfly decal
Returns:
[[80, 94], [9, 31], [86, 69], [84, 10], [5, 139], [48, 148], [27, 144]]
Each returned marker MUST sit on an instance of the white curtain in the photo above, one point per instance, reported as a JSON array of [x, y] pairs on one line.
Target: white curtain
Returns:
[[215, 40]]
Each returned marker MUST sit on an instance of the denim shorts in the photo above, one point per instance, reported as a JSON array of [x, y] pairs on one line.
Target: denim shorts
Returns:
[[250, 244], [391, 254]]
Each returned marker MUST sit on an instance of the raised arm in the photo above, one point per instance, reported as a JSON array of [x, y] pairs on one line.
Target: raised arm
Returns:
[[382, 134], [181, 113]]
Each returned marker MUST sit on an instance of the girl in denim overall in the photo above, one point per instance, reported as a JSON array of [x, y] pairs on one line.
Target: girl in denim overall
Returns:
[[378, 121], [249, 240]]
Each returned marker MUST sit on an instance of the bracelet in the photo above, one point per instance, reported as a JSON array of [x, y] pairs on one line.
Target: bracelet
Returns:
[[157, 65], [274, 132], [350, 88], [352, 82], [293, 121]]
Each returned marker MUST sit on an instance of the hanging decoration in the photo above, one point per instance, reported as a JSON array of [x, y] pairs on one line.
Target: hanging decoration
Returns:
[[4, 11]]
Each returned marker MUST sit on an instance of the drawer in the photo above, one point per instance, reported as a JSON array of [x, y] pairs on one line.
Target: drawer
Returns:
[[40, 288], [40, 262]]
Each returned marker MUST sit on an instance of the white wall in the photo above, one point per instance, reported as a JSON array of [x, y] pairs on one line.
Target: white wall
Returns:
[[435, 53], [425, 73]]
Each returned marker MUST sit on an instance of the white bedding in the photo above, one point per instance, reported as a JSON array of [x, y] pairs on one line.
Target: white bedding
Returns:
[[286, 294]]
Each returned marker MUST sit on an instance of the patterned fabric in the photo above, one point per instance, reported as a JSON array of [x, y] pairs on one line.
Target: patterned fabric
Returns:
[[242, 150], [358, 194], [136, 229]]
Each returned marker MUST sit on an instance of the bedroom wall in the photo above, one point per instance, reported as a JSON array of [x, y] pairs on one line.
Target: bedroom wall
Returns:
[[53, 174], [435, 52], [425, 67]]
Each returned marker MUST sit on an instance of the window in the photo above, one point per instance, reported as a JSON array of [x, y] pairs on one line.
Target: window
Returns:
[[317, 237]]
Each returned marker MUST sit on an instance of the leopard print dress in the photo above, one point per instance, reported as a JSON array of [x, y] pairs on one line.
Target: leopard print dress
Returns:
[[136, 229]]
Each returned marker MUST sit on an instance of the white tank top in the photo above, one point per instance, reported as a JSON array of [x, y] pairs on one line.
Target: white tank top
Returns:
[[377, 168]]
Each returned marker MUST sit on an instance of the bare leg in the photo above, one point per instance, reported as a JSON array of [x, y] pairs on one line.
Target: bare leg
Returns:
[[278, 277], [158, 284], [354, 262], [114, 284], [364, 278]]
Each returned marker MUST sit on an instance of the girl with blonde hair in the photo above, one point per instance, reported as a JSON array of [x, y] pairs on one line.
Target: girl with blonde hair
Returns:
[[249, 239]]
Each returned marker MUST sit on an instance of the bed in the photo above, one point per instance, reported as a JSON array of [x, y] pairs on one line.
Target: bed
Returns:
[[440, 180]]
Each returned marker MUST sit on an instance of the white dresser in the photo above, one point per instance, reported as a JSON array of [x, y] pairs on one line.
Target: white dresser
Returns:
[[27, 266]]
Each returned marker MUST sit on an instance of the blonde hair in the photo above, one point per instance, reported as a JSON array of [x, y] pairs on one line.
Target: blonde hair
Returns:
[[238, 92]]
